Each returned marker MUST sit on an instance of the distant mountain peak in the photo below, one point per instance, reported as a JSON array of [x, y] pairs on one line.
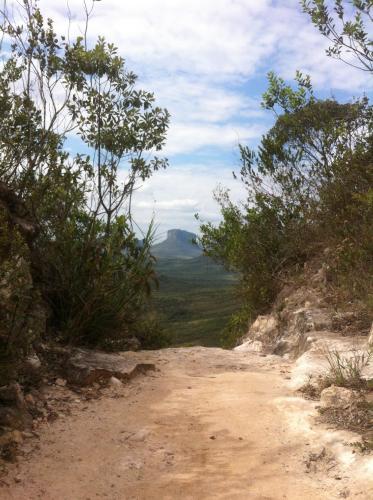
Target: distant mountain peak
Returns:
[[179, 244], [181, 235]]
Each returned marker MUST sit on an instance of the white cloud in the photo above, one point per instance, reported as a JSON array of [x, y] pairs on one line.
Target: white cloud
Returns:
[[173, 196], [198, 57], [205, 60], [200, 99], [178, 204], [219, 39], [213, 36], [188, 137]]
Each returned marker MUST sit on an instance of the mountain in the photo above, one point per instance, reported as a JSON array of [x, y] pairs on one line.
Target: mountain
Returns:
[[179, 244], [196, 296]]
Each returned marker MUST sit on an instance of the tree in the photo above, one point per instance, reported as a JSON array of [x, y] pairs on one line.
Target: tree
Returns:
[[309, 186], [300, 153], [83, 255], [348, 28], [118, 121]]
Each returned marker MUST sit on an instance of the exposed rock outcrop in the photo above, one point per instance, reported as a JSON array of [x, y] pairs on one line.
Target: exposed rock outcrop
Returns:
[[45, 402], [87, 367], [370, 338], [338, 397], [304, 325], [302, 315]]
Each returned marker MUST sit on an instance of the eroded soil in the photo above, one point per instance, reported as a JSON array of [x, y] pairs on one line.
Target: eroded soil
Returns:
[[209, 424]]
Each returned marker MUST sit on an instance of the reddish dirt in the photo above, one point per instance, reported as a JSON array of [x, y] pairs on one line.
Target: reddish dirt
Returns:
[[205, 426]]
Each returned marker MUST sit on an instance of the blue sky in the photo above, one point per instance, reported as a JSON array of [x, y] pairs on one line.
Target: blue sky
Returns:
[[207, 61]]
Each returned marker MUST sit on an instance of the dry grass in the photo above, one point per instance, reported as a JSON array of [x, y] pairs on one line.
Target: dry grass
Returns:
[[313, 388], [357, 417], [346, 371]]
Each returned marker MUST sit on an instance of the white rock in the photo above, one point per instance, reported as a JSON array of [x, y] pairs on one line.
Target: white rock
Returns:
[[263, 327], [250, 346], [33, 363], [141, 435], [60, 382], [338, 397], [86, 367], [370, 338], [115, 382], [314, 360]]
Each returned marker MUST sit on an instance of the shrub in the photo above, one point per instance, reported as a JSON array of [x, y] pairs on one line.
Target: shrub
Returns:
[[67, 233], [98, 285], [346, 371], [22, 316], [309, 186], [235, 329]]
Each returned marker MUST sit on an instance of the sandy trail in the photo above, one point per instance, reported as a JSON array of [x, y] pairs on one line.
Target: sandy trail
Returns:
[[205, 426]]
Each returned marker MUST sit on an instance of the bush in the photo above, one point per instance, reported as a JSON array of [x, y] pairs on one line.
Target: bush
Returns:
[[22, 316], [97, 285], [235, 329], [346, 371], [309, 187], [67, 236]]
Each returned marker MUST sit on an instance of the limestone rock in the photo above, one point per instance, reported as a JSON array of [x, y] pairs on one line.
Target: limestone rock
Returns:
[[60, 382], [140, 435], [115, 382], [88, 367], [33, 362], [250, 346], [338, 397], [264, 329], [370, 338]]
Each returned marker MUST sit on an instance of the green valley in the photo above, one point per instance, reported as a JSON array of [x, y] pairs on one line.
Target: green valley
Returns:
[[195, 298]]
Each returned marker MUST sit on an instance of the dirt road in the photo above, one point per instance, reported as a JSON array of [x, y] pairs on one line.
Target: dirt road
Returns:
[[210, 424]]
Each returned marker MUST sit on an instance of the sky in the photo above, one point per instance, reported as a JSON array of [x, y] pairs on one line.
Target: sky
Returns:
[[207, 61]]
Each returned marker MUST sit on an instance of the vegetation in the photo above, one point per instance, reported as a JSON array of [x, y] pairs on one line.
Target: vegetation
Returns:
[[356, 417], [346, 25], [309, 186], [195, 300], [71, 267], [67, 245], [346, 371]]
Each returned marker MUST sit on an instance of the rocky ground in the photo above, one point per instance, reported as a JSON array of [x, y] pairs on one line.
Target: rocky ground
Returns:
[[207, 423]]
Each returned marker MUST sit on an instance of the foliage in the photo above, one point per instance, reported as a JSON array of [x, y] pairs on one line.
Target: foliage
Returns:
[[235, 327], [70, 215], [98, 283], [346, 371], [151, 332], [195, 299], [21, 316], [347, 26], [308, 187]]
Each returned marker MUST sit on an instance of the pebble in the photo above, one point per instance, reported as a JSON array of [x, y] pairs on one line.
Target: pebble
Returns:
[[140, 435], [115, 382], [60, 382], [27, 434]]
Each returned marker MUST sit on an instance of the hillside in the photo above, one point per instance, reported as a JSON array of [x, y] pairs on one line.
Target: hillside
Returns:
[[195, 298], [179, 244]]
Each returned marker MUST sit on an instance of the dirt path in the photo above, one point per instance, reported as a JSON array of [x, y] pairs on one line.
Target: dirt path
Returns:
[[208, 425]]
